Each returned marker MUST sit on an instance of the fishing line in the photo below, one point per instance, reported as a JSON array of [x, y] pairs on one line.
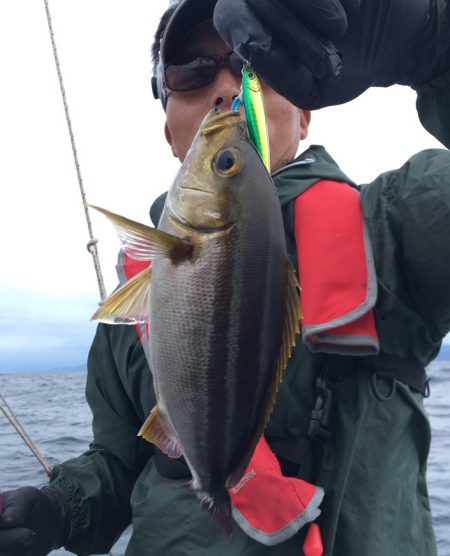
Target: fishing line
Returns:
[[92, 244]]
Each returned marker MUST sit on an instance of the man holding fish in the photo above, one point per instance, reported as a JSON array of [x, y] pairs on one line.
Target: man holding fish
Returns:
[[373, 265]]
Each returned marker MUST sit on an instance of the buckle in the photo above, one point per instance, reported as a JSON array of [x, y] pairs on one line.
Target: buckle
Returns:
[[319, 422]]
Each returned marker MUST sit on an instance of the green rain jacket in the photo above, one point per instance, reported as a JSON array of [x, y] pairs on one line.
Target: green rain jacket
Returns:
[[373, 465]]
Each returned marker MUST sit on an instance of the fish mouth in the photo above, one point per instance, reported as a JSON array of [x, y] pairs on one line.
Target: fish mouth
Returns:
[[216, 121], [199, 229], [196, 189]]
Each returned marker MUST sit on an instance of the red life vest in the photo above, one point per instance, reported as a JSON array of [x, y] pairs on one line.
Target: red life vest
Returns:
[[336, 270], [268, 506]]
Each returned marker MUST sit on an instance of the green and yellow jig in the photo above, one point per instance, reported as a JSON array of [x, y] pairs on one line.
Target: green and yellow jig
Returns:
[[253, 99]]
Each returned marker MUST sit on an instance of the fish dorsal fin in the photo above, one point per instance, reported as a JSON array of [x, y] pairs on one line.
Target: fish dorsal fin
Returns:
[[289, 334], [292, 320], [128, 304], [290, 331], [143, 243], [157, 430]]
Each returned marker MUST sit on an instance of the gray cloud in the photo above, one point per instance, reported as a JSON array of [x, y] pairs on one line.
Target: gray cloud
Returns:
[[44, 332]]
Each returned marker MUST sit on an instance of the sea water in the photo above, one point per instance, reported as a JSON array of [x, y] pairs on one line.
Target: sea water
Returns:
[[53, 410]]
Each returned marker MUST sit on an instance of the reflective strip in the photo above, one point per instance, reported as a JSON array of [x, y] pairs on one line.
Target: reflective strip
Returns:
[[303, 162], [310, 513], [120, 267]]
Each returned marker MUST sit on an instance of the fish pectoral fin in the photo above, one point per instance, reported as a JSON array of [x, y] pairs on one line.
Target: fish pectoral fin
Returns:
[[157, 430], [128, 304], [143, 243]]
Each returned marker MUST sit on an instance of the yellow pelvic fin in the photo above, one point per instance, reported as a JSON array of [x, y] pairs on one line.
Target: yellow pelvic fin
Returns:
[[157, 431], [143, 243], [128, 304]]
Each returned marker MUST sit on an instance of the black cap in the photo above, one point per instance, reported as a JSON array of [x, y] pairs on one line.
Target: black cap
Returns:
[[188, 14]]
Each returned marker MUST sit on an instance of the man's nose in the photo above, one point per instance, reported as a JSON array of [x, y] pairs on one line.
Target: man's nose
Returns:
[[226, 88]]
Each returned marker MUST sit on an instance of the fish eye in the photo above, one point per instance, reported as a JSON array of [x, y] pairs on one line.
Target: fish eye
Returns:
[[225, 161], [228, 162]]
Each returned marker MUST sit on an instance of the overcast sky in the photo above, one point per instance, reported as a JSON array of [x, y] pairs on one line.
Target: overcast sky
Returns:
[[48, 288]]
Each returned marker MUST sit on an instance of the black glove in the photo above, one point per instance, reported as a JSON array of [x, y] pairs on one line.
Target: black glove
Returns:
[[323, 52], [33, 522]]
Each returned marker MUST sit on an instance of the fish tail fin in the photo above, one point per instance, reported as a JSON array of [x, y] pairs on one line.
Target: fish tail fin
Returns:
[[219, 508]]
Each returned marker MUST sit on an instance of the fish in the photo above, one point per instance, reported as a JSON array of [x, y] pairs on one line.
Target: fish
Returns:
[[221, 299]]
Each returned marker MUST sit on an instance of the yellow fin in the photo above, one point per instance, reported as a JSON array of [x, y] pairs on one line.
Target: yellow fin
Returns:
[[157, 431], [143, 243], [128, 304], [292, 321], [290, 331]]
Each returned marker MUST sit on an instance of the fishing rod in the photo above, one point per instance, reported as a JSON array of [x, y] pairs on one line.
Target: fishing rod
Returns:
[[8, 412], [14, 420], [91, 247], [92, 243]]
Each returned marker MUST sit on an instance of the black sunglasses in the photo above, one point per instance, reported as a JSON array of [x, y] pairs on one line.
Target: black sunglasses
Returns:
[[199, 71]]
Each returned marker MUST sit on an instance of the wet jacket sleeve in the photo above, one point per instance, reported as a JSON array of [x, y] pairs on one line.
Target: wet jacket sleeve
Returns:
[[433, 107], [408, 214], [97, 485]]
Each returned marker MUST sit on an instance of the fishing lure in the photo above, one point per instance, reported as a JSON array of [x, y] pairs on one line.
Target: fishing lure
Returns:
[[253, 99]]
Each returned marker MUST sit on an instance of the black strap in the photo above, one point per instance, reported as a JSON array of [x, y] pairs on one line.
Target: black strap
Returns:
[[295, 454], [408, 371]]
